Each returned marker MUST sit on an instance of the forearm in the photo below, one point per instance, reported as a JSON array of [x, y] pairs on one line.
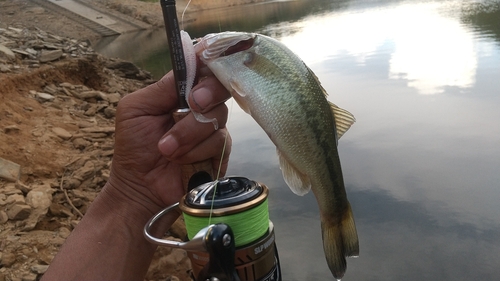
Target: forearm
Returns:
[[108, 244]]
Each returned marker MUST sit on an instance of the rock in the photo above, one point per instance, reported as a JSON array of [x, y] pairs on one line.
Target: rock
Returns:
[[40, 198], [46, 56], [21, 52], [9, 170], [64, 232], [3, 217], [39, 268], [174, 260], [80, 143], [11, 188], [15, 199], [4, 68], [44, 97], [10, 129], [29, 277], [71, 183], [62, 133], [109, 112], [74, 223], [67, 85], [178, 229], [113, 98], [59, 210], [51, 89], [8, 259], [107, 130], [91, 111], [19, 212], [86, 171], [24, 188], [45, 257], [7, 53], [91, 94], [105, 173], [17, 30]]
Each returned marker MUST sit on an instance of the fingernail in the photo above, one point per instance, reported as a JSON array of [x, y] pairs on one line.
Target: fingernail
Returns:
[[202, 98], [168, 145]]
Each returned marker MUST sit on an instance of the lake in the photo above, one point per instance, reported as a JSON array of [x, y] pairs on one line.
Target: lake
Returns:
[[422, 162]]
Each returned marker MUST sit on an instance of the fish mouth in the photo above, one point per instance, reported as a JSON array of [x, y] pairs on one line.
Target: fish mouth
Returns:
[[218, 45]]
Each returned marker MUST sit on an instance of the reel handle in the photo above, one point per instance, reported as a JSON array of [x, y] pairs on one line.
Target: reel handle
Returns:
[[219, 242], [197, 173], [216, 239]]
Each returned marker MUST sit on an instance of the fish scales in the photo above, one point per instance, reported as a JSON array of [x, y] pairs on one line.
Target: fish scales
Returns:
[[286, 99]]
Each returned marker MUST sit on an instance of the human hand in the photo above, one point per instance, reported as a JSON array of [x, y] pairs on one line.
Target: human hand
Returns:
[[150, 148], [108, 242]]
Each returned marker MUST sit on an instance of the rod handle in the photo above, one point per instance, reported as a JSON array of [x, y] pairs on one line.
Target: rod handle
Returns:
[[197, 173]]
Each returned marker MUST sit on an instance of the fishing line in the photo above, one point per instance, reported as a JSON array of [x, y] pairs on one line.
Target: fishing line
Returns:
[[223, 148], [183, 12], [220, 162]]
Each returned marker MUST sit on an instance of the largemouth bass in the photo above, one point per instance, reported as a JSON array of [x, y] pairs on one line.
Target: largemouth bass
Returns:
[[286, 99]]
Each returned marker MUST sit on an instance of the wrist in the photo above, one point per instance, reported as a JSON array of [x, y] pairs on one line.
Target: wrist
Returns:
[[110, 235], [129, 206]]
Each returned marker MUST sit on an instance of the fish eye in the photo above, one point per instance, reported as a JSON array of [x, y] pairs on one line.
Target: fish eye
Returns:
[[238, 47]]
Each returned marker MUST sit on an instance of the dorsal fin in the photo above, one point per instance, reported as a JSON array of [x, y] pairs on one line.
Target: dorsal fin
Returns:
[[343, 119]]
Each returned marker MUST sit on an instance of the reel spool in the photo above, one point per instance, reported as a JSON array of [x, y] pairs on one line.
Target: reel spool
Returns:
[[240, 204]]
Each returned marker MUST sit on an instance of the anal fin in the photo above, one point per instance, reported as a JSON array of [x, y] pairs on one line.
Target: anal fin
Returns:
[[298, 182]]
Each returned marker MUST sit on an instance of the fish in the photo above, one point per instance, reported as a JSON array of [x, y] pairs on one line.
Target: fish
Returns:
[[284, 96]]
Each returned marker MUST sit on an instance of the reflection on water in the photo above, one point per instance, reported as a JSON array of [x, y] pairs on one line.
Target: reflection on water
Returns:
[[427, 50], [421, 162]]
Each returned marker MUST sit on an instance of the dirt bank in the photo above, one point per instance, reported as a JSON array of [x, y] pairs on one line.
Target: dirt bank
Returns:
[[57, 106]]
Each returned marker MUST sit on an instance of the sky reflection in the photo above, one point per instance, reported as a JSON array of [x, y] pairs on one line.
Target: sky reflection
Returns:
[[428, 49]]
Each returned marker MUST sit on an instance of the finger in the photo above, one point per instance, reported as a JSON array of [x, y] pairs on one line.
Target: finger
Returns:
[[188, 133], [216, 147], [207, 94]]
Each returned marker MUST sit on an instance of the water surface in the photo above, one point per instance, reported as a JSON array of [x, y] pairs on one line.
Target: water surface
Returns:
[[422, 162]]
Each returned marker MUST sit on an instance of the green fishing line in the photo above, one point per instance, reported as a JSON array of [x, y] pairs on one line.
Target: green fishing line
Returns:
[[247, 226]]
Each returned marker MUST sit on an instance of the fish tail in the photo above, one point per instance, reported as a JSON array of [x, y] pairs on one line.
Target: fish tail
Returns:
[[340, 240]]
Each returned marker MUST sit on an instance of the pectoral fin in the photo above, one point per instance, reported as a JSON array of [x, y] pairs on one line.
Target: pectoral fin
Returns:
[[343, 119], [239, 95], [298, 182]]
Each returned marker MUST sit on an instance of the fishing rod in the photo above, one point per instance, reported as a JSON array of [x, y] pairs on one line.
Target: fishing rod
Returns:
[[201, 172], [230, 235]]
